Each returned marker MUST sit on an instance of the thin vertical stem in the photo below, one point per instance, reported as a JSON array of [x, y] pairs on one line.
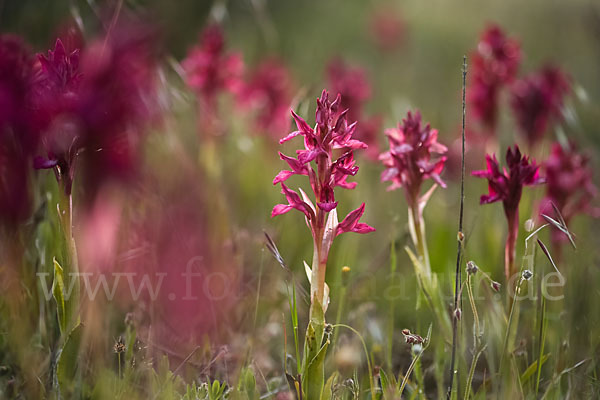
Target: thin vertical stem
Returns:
[[511, 242], [457, 277]]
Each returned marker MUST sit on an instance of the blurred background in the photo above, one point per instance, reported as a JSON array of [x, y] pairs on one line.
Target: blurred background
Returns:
[[203, 200]]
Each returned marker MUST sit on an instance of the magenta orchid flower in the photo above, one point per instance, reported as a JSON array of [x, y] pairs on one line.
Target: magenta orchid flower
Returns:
[[98, 107], [569, 186], [507, 186], [414, 156], [352, 84], [57, 94], [331, 132], [387, 28], [494, 64], [268, 93], [536, 100], [210, 70]]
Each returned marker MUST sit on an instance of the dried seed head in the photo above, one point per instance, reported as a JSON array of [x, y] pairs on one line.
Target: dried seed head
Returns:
[[496, 286], [411, 338], [529, 225], [119, 346], [472, 268], [527, 274], [328, 329]]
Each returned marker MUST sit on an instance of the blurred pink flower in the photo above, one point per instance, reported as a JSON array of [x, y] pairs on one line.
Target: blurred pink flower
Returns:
[[97, 111], [351, 82], [387, 28], [569, 183], [497, 56], [59, 70], [118, 100], [537, 99], [409, 160], [507, 186], [18, 136], [56, 91], [493, 64], [210, 69], [269, 93], [171, 244], [355, 89], [331, 132]]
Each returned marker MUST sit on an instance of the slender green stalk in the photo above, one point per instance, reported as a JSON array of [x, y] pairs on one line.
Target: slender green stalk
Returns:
[[457, 277], [477, 348], [476, 328], [260, 269], [338, 316], [472, 371], [509, 324], [390, 333], [412, 365], [541, 340], [369, 367]]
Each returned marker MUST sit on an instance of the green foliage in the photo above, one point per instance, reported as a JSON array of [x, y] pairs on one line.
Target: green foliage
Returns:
[[68, 371]]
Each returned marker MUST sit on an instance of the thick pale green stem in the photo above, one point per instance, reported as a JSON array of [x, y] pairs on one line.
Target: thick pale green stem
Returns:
[[417, 231], [71, 265], [317, 280]]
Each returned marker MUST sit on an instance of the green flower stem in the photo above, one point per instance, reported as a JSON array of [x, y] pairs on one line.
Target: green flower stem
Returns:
[[71, 264], [417, 230]]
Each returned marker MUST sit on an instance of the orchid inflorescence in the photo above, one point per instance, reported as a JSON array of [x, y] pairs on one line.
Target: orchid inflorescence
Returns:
[[494, 64], [331, 133], [414, 156], [67, 102], [506, 185]]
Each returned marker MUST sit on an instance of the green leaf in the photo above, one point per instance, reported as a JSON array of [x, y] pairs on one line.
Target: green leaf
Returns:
[[328, 389], [315, 375], [247, 384], [388, 385], [525, 376], [314, 333], [68, 362], [58, 289]]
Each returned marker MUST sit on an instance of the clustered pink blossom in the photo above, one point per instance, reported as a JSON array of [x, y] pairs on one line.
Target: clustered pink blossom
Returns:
[[353, 85], [65, 107], [268, 92], [56, 96], [507, 186], [569, 184], [211, 70], [412, 157], [387, 28], [536, 99], [493, 64], [331, 132], [98, 108]]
